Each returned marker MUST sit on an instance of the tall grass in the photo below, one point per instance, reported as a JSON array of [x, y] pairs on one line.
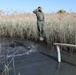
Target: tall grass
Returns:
[[58, 27]]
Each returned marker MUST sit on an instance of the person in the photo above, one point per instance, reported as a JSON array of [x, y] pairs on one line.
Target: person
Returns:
[[40, 21]]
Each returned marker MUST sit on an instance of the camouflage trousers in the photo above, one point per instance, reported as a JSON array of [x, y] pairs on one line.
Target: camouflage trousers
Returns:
[[40, 26]]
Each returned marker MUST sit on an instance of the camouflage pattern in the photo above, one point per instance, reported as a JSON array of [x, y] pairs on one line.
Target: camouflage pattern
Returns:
[[40, 21]]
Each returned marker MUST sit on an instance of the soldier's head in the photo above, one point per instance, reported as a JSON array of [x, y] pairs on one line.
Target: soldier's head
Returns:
[[39, 9]]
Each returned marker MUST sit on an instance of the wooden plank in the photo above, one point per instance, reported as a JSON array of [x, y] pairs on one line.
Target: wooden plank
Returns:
[[65, 45]]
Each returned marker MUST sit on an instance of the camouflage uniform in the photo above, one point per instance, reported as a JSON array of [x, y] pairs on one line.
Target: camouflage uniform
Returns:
[[40, 21]]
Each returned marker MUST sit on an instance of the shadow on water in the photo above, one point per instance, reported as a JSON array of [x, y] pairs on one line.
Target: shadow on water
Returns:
[[64, 68], [51, 57], [54, 58], [69, 63], [38, 60]]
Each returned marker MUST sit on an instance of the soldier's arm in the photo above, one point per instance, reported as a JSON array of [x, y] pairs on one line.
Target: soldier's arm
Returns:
[[43, 17], [35, 11]]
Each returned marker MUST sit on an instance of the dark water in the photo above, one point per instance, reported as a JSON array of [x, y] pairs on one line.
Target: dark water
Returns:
[[39, 60]]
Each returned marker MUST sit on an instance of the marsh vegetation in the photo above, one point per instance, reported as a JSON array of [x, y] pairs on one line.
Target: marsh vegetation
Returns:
[[59, 27]]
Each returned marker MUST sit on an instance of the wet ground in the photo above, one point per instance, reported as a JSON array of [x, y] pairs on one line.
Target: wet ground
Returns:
[[39, 60]]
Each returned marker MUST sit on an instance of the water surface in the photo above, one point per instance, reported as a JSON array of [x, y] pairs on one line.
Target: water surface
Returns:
[[39, 60]]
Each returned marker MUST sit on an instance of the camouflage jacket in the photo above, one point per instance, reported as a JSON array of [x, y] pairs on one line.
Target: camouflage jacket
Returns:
[[39, 15]]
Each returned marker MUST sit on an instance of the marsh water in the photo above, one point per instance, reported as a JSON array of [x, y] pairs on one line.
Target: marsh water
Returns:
[[39, 60]]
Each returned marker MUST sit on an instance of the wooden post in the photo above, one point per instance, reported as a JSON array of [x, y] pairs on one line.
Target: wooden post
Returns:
[[59, 54], [58, 45]]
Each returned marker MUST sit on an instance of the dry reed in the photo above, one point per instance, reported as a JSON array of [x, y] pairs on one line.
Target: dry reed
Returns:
[[58, 27]]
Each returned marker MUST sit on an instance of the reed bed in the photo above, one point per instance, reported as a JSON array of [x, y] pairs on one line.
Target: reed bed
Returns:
[[59, 27]]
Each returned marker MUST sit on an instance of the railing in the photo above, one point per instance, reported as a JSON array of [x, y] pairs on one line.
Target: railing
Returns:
[[62, 45]]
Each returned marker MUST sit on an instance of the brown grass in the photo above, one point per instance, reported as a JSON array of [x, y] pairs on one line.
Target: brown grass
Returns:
[[58, 27]]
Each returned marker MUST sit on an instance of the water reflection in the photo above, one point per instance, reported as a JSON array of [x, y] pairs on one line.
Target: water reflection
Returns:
[[36, 61], [57, 68]]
